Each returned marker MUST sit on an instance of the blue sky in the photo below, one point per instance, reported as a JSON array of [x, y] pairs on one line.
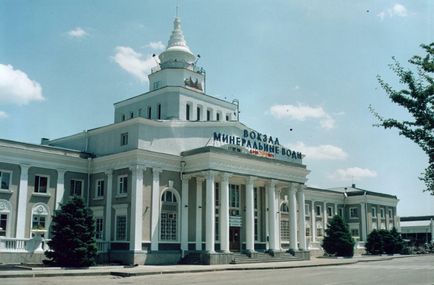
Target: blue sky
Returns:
[[310, 66]]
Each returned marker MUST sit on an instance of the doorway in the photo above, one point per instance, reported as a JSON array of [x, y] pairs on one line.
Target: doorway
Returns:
[[234, 239]]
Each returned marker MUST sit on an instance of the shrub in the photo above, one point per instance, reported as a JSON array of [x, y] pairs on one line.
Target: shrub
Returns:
[[384, 241]]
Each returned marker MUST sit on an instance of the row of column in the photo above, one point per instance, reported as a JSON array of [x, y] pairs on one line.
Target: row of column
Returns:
[[296, 198]]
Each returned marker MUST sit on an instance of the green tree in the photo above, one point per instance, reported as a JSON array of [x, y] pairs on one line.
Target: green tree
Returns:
[[338, 240], [418, 98], [72, 241], [398, 242]]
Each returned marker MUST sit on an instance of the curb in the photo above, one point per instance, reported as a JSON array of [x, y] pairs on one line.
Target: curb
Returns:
[[144, 273]]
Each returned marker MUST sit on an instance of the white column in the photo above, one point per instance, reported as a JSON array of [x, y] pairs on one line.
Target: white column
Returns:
[[108, 207], [363, 220], [277, 225], [184, 207], [292, 216], [250, 215], [224, 213], [210, 213], [313, 218], [22, 201], [324, 218], [136, 207], [301, 218], [432, 230], [336, 210], [272, 214], [199, 181], [60, 187], [155, 208]]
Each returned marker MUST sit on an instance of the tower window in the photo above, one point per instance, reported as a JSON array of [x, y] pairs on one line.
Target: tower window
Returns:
[[123, 117], [149, 112], [124, 139], [227, 117], [187, 112], [131, 115], [198, 113], [208, 115], [218, 117], [159, 112]]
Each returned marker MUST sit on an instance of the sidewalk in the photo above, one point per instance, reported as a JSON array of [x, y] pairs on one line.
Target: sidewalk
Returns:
[[123, 271]]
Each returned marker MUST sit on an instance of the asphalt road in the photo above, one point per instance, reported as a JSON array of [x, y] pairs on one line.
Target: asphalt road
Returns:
[[405, 271]]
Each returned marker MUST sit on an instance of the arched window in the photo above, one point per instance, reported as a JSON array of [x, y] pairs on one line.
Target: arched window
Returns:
[[169, 216], [40, 214], [284, 222], [5, 213]]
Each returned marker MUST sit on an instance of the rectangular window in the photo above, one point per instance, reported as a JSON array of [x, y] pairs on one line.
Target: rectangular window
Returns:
[[149, 112], [123, 117], [307, 210], [121, 227], [354, 213], [187, 112], [38, 222], [382, 213], [374, 212], [208, 115], [99, 188], [124, 138], [355, 232], [140, 112], [198, 110], [217, 194], [390, 213], [3, 224], [319, 232], [329, 212], [131, 115], [159, 112], [227, 117], [123, 184], [218, 117], [308, 232], [168, 226], [41, 183], [5, 180], [217, 228], [234, 199], [284, 230], [341, 212], [76, 187], [99, 228], [318, 210]]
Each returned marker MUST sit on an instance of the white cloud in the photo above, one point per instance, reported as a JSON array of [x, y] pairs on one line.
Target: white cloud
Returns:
[[3, 115], [320, 152], [17, 88], [352, 173], [397, 9], [303, 112], [133, 62], [156, 45], [77, 33]]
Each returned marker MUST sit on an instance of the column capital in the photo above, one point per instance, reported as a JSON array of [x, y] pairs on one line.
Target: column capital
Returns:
[[109, 171], [209, 174], [271, 183], [200, 179], [250, 179], [225, 176], [61, 171], [292, 187], [301, 188], [156, 172], [137, 167], [186, 177]]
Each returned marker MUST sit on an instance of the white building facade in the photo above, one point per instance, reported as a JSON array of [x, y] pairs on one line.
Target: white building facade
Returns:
[[176, 174]]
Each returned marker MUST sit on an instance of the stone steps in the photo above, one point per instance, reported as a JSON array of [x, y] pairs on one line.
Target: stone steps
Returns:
[[239, 258]]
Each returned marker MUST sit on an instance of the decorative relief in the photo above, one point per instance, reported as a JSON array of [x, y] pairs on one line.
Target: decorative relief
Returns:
[[40, 209], [193, 84], [5, 206]]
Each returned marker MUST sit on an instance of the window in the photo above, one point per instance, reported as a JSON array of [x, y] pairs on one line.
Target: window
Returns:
[[354, 213], [99, 191], [156, 85], [124, 138], [355, 232], [341, 212], [123, 184], [318, 210], [307, 210], [227, 117], [390, 226], [159, 112], [198, 110], [307, 231], [39, 219], [329, 212], [319, 229], [123, 117], [3, 224], [38, 222], [390, 213], [374, 226], [76, 187], [187, 112], [234, 199], [5, 180], [41, 183], [140, 112], [383, 226], [217, 194], [218, 117], [121, 227], [169, 216], [374, 212], [131, 115], [208, 115], [284, 222], [99, 228], [382, 214], [149, 112]]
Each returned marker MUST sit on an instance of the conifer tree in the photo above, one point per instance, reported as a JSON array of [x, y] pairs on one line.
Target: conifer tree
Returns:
[[72, 241], [338, 240], [417, 97]]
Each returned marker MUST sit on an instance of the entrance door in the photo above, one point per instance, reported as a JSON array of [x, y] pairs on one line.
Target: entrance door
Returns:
[[234, 239]]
